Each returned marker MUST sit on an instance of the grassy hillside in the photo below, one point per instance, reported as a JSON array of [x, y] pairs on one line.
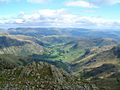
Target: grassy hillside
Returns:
[[19, 47], [100, 65], [8, 61], [71, 50], [7, 42], [107, 83]]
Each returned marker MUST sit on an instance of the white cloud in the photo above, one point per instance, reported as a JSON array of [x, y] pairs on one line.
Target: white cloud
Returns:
[[81, 3], [36, 1], [7, 1], [58, 18], [105, 2], [114, 1], [4, 0], [29, 1], [91, 3]]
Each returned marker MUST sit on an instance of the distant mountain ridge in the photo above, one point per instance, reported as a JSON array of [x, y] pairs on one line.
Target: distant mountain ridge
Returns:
[[77, 32]]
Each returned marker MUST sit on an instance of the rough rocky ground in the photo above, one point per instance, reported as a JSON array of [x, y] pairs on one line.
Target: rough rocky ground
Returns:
[[41, 76]]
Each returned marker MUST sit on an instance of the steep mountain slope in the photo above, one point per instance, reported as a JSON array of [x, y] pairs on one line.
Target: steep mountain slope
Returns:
[[41, 76], [101, 65], [7, 42], [26, 38], [9, 61], [17, 47], [101, 68], [107, 83], [12, 61]]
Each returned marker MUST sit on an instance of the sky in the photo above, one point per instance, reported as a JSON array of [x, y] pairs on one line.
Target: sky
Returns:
[[100, 14]]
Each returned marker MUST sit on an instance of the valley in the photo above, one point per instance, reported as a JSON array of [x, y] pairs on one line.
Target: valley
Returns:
[[83, 56]]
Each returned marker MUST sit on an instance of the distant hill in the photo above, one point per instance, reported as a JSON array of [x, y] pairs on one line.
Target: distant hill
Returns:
[[77, 32], [7, 42], [18, 47]]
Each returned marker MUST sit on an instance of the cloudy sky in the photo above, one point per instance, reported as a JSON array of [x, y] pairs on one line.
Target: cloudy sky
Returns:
[[60, 13]]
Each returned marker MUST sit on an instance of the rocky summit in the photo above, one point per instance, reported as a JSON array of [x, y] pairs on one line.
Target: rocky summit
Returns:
[[41, 76]]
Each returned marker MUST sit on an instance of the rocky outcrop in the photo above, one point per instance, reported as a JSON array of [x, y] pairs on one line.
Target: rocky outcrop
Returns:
[[41, 76]]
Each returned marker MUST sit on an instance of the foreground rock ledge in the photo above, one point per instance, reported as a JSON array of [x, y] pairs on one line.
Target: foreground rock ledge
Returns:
[[41, 76]]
